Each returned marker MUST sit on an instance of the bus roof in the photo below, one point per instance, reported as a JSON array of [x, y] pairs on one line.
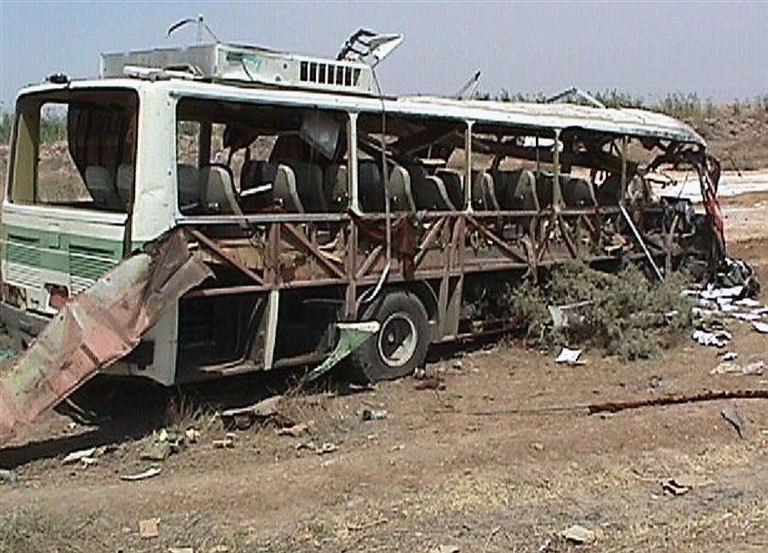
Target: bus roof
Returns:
[[550, 117]]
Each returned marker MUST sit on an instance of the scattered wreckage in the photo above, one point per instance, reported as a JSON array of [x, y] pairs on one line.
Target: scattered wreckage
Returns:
[[278, 200]]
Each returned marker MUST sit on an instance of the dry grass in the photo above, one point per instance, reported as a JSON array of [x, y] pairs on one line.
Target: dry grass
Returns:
[[26, 531]]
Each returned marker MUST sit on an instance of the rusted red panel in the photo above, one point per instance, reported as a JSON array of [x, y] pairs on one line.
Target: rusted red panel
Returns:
[[97, 328]]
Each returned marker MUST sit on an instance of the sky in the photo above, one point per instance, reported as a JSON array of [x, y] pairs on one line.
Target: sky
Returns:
[[718, 50]]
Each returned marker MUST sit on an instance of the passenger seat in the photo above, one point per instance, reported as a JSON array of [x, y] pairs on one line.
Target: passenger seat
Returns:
[[257, 181], [454, 186], [285, 190], [578, 193], [525, 193], [370, 186], [429, 191], [337, 181], [218, 190], [400, 192], [309, 185], [483, 194]]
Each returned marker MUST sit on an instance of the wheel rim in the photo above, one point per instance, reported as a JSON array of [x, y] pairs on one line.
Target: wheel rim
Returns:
[[397, 340]]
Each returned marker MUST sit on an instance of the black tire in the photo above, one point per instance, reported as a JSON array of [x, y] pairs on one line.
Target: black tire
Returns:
[[401, 344]]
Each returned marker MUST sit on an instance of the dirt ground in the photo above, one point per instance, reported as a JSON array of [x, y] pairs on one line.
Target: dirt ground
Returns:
[[504, 458]]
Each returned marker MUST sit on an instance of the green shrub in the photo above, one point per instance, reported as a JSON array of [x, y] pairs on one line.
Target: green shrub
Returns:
[[628, 316]]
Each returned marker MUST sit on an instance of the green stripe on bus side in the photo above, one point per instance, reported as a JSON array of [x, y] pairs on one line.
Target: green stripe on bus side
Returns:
[[73, 254]]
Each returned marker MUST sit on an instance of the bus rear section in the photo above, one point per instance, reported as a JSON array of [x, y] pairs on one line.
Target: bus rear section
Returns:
[[65, 213]]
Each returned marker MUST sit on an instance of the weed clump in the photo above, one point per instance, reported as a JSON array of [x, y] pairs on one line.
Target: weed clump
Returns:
[[24, 531], [624, 313]]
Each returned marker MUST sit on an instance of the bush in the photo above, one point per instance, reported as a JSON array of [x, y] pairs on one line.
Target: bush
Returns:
[[628, 316]]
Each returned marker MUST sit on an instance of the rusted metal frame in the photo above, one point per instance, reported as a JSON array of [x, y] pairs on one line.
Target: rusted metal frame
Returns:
[[641, 242], [453, 311], [350, 297], [594, 230], [272, 261], [260, 219], [623, 187], [443, 294], [498, 242], [557, 192], [315, 282], [369, 261], [542, 243], [316, 253], [433, 274], [224, 256], [582, 220], [461, 241], [668, 241], [429, 239], [562, 225]]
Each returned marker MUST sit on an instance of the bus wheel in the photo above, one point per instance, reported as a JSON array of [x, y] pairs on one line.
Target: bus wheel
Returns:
[[401, 343]]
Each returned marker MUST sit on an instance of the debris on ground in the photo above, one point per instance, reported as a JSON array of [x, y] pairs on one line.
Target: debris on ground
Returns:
[[181, 550], [735, 273], [732, 416], [616, 406], [295, 430], [76, 456], [568, 356], [430, 382], [9, 476], [717, 338], [672, 487], [192, 435], [149, 528], [374, 414], [227, 442], [729, 367], [680, 485], [366, 525], [162, 444], [445, 549], [266, 410], [579, 535], [730, 296], [568, 316], [149, 473], [322, 449]]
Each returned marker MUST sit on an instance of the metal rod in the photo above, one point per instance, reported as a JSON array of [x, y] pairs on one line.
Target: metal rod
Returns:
[[640, 241]]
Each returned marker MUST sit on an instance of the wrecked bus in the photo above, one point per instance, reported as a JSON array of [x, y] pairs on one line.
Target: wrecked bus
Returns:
[[314, 200]]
